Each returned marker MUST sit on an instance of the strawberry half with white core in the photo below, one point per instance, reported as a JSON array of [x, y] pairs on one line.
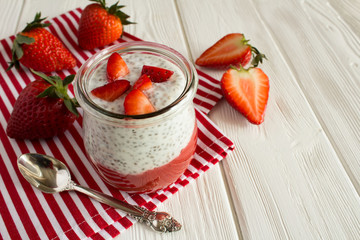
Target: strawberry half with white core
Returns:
[[247, 90], [43, 109], [136, 103], [232, 49], [116, 67], [111, 91], [157, 74]]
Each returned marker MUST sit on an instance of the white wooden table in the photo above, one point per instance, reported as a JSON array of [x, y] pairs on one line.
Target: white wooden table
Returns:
[[297, 175]]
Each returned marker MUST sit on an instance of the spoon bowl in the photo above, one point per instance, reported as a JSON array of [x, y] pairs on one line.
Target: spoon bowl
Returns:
[[50, 175], [44, 172]]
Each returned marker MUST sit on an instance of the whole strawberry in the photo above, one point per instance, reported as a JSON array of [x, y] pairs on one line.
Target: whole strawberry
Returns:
[[36, 48], [100, 25], [43, 109]]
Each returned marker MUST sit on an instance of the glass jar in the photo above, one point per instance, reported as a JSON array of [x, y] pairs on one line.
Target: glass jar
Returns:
[[139, 153]]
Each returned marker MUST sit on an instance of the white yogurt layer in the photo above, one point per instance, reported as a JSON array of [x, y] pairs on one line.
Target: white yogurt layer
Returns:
[[133, 150]]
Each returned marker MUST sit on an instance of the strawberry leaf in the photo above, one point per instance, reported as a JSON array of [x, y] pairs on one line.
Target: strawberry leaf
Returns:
[[59, 93], [36, 23], [257, 57], [49, 92], [101, 2], [43, 76], [59, 89], [22, 39], [67, 80], [17, 50], [75, 102], [71, 106], [58, 81], [115, 10]]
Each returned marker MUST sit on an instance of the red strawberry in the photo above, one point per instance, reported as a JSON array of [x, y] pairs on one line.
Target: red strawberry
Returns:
[[43, 109], [143, 83], [247, 90], [37, 48], [112, 90], [233, 49], [100, 25], [116, 67], [137, 103], [156, 74]]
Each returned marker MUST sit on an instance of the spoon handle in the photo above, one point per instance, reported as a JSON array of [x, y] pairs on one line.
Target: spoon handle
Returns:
[[158, 221]]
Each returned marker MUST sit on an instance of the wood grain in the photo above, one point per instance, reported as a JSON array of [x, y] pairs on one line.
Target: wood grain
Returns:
[[289, 162], [9, 17]]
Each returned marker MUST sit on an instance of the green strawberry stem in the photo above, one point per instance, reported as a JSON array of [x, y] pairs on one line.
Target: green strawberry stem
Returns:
[[58, 89], [240, 68], [115, 10], [257, 56], [36, 23], [17, 51]]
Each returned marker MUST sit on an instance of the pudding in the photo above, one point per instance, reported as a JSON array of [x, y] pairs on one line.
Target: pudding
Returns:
[[140, 153]]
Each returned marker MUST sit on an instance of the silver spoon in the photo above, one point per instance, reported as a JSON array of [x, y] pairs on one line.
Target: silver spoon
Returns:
[[51, 176]]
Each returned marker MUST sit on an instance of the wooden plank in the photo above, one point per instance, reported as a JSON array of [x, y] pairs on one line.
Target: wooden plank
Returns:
[[204, 203], [348, 11], [287, 179], [200, 207], [335, 25], [10, 13]]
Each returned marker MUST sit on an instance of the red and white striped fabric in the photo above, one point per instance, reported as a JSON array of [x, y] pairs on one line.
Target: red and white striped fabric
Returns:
[[28, 213]]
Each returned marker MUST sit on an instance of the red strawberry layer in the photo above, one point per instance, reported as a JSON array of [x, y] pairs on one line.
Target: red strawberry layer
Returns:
[[154, 179]]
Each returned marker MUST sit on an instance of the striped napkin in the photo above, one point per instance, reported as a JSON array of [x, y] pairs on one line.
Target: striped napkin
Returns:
[[26, 212]]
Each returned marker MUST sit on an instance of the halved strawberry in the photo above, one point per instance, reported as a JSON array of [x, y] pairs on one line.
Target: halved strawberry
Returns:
[[136, 103], [112, 90], [116, 67], [232, 49], [143, 83], [247, 90], [157, 74]]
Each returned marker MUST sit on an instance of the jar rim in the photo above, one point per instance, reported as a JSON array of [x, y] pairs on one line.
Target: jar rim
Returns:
[[84, 98]]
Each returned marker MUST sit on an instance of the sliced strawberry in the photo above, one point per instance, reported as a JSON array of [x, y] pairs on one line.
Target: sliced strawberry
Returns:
[[247, 91], [112, 90], [116, 67], [137, 103], [143, 83], [233, 49], [157, 74]]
